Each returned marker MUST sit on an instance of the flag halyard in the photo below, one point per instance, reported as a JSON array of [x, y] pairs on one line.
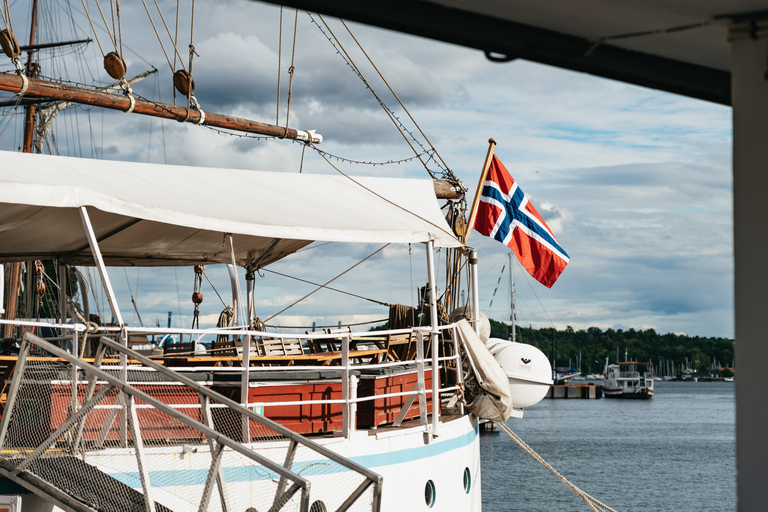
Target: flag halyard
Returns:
[[505, 214]]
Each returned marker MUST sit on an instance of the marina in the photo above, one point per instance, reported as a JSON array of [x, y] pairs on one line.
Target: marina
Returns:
[[674, 452]]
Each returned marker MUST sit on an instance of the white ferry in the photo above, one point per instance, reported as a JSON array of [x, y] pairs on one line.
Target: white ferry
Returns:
[[628, 380]]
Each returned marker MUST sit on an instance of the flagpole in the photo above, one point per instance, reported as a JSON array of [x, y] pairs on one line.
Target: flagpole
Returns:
[[476, 201]]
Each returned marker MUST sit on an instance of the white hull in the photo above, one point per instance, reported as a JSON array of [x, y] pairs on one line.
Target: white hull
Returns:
[[628, 380], [406, 458]]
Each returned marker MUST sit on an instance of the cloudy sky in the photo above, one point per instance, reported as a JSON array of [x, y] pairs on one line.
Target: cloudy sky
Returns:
[[635, 183]]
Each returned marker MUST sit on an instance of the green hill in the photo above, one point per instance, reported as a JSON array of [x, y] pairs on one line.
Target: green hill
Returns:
[[594, 345]]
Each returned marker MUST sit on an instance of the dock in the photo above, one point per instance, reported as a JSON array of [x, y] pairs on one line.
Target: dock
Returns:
[[584, 391]]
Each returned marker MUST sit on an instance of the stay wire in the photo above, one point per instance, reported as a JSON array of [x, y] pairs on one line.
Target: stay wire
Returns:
[[291, 70], [405, 109], [326, 287], [328, 282], [375, 95], [279, 62], [350, 178]]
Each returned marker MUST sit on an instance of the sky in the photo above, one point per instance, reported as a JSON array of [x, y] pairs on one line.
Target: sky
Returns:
[[635, 183]]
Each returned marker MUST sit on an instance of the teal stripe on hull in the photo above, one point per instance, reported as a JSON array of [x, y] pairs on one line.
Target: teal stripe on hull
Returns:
[[308, 468]]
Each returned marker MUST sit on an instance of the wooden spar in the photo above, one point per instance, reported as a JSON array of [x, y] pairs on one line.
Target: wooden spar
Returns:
[[44, 89], [476, 201], [447, 190]]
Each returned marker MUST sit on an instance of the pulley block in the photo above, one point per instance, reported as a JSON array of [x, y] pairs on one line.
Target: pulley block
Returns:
[[115, 65], [184, 83], [9, 43]]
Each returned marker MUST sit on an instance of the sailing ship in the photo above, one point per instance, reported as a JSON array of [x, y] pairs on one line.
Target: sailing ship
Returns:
[[339, 419]]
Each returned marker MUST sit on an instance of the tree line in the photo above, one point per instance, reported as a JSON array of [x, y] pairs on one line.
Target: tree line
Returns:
[[591, 346]]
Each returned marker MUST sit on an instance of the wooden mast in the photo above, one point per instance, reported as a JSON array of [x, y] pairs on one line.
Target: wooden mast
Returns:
[[29, 128], [29, 119], [52, 91]]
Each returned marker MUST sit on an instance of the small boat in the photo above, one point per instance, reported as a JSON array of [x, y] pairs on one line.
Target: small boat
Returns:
[[629, 379]]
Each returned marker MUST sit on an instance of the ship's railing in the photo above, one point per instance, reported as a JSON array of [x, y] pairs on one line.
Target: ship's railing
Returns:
[[159, 440], [349, 399], [346, 365], [629, 375]]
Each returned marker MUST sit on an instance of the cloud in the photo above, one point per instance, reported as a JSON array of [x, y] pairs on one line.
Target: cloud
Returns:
[[635, 183]]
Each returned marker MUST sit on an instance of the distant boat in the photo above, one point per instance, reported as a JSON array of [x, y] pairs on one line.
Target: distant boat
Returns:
[[628, 380]]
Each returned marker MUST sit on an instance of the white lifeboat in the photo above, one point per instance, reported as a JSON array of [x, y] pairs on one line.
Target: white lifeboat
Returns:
[[527, 368]]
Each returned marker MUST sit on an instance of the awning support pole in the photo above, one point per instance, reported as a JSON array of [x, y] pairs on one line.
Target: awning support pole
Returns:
[[435, 333], [94, 244], [475, 291]]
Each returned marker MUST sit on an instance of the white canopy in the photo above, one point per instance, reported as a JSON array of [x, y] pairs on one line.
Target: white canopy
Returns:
[[150, 214]]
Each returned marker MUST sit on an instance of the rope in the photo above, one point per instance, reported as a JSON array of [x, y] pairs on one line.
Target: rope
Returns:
[[5, 14], [328, 282], [214, 289], [384, 198], [93, 27], [159, 39], [271, 326], [93, 327], [291, 70], [279, 61], [120, 27], [455, 179], [326, 287], [191, 96], [368, 85], [176, 42], [594, 504]]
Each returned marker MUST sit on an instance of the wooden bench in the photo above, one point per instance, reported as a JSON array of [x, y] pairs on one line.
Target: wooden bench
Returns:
[[178, 349], [278, 347]]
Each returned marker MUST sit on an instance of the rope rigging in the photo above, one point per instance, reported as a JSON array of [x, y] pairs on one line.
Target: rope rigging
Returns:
[[320, 287], [348, 59], [197, 295], [326, 287], [405, 109], [594, 504]]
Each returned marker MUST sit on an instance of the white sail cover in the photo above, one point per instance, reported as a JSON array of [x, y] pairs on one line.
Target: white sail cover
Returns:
[[151, 214]]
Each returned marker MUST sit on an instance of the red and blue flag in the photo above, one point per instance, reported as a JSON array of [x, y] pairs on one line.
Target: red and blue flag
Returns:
[[505, 214]]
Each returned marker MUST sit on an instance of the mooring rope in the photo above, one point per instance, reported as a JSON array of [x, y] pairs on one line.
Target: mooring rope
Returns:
[[594, 504]]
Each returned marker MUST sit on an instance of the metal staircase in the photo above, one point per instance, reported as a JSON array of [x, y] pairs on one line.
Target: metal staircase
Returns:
[[114, 436]]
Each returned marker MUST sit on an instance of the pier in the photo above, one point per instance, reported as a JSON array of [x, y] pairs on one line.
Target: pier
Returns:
[[585, 391]]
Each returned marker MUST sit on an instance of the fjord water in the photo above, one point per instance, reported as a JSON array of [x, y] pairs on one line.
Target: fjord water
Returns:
[[674, 452]]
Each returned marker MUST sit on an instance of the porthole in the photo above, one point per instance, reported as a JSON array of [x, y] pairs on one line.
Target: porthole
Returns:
[[318, 506], [429, 493], [467, 480]]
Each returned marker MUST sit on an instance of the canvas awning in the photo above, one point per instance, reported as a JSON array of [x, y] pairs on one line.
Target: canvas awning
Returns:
[[153, 215]]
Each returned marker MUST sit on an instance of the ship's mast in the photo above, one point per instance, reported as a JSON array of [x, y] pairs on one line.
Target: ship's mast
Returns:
[[32, 70], [29, 129]]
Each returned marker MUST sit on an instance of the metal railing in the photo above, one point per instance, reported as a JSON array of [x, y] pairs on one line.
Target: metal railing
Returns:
[[209, 405], [92, 399]]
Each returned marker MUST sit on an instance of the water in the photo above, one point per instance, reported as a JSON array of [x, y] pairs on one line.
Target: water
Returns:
[[674, 452]]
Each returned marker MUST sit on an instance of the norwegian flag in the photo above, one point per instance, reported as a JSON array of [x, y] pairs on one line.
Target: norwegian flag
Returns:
[[505, 214]]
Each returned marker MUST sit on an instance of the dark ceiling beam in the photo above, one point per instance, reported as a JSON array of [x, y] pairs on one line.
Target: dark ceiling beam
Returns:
[[516, 40]]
